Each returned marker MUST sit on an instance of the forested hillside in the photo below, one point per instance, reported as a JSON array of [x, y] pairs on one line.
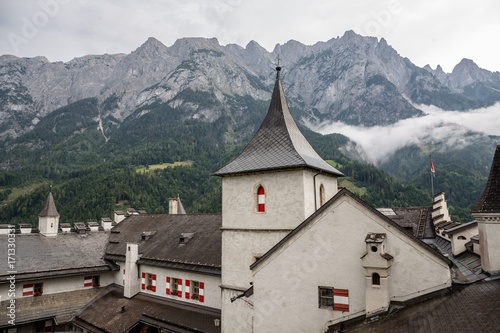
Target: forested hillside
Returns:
[[92, 177]]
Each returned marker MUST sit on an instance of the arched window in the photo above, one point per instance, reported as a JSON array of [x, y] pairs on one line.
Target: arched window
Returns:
[[322, 197], [261, 199], [375, 279]]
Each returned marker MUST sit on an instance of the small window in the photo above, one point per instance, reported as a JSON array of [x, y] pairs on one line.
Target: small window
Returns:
[[335, 299], [151, 282], [174, 286], [38, 289], [196, 290], [95, 281], [322, 197], [326, 297], [375, 279]]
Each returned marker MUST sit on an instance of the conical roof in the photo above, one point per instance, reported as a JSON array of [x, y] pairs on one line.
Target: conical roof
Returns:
[[50, 208], [278, 144], [490, 200]]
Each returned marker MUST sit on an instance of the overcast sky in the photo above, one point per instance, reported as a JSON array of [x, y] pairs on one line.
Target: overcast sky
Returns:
[[427, 32]]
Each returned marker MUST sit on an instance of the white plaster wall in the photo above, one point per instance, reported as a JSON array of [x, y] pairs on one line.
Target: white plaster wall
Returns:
[[58, 285], [458, 245], [327, 253], [212, 292], [289, 198], [237, 315], [45, 224], [239, 249], [489, 242]]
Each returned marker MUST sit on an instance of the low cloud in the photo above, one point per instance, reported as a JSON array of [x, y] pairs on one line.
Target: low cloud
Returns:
[[449, 128]]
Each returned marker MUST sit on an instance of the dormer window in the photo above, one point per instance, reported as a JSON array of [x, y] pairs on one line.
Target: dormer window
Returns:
[[261, 199]]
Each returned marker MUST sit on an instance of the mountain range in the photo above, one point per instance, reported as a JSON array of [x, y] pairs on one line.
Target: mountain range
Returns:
[[97, 108]]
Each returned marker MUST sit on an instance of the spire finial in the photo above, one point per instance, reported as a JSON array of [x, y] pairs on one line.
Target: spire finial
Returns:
[[278, 68]]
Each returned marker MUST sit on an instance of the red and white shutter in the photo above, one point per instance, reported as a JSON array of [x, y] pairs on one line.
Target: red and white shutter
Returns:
[[87, 281], [187, 289], [202, 289], [143, 281], [48, 326], [179, 288], [261, 199], [124, 276], [153, 288], [341, 299], [28, 289], [168, 285]]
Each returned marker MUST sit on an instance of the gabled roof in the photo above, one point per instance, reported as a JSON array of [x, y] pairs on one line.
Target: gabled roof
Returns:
[[339, 194], [490, 200], [278, 144], [49, 210], [159, 238]]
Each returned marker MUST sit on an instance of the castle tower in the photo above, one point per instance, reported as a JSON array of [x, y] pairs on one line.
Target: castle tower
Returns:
[[487, 213], [48, 219], [276, 182]]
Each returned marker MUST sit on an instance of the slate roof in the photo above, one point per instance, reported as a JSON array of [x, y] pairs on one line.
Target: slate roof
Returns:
[[61, 306], [159, 241], [67, 254], [105, 314], [340, 193], [416, 220], [473, 309], [490, 200], [49, 210], [278, 144]]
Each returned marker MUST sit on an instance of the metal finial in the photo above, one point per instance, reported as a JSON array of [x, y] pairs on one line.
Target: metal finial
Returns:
[[278, 68]]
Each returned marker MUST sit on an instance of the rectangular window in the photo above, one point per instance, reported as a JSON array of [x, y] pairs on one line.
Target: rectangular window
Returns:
[[336, 299], [195, 285], [174, 286], [151, 282], [325, 297], [38, 289], [95, 281]]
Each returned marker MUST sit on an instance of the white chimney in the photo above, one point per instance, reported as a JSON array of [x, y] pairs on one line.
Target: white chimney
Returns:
[[131, 271]]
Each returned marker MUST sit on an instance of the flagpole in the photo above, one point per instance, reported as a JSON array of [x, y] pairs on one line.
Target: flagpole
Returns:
[[432, 176]]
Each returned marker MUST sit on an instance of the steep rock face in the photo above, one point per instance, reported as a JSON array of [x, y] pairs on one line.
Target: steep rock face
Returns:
[[355, 79]]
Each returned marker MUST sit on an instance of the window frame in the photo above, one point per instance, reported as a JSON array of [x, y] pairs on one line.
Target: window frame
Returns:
[[38, 289], [260, 207], [321, 297]]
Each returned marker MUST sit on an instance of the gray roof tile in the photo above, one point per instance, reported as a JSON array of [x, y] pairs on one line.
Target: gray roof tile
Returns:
[[201, 252], [278, 144], [38, 256], [50, 207], [490, 200]]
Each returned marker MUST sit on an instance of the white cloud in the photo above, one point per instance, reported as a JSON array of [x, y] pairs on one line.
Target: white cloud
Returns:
[[437, 126]]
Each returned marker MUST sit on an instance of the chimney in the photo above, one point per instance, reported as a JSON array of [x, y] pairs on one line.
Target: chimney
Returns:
[[106, 223], [131, 271], [25, 228], [173, 206]]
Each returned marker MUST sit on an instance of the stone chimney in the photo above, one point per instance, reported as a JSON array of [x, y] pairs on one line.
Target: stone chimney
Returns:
[[131, 271], [487, 213], [377, 264], [175, 206], [48, 219]]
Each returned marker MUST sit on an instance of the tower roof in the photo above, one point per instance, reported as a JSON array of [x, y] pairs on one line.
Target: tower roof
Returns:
[[278, 144], [490, 200], [50, 207]]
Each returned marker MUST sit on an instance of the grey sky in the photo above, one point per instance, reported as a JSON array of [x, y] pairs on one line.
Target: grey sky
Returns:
[[427, 32]]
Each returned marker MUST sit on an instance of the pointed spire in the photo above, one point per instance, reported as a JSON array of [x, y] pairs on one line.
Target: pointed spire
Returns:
[[50, 207], [490, 200], [278, 144]]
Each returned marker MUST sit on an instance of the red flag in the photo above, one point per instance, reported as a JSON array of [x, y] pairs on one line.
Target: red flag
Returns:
[[432, 165]]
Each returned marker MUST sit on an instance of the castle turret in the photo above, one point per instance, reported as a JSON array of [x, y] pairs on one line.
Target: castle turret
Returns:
[[487, 213], [48, 219], [276, 182]]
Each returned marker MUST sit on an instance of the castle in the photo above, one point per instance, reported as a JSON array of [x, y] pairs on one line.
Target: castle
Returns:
[[291, 252]]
